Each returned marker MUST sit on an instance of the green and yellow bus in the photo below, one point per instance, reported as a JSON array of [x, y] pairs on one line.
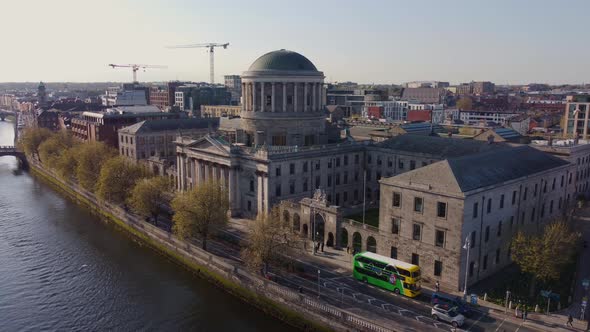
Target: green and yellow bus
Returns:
[[387, 273]]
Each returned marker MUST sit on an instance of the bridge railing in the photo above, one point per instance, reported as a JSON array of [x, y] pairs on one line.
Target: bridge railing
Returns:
[[7, 147]]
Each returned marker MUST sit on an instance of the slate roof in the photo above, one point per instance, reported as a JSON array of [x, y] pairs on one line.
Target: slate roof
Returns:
[[423, 128], [437, 146], [507, 133], [467, 173], [170, 124]]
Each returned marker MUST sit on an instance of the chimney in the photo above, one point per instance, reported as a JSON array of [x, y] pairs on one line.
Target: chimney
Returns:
[[491, 139]]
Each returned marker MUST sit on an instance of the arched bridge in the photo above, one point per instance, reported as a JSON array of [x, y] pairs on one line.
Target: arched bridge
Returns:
[[12, 151]]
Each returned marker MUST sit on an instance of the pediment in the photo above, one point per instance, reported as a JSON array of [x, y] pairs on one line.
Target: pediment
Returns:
[[210, 145]]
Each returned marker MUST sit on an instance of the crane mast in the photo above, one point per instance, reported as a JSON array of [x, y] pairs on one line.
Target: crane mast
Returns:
[[211, 49]]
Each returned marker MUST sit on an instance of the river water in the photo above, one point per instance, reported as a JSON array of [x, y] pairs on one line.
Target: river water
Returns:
[[61, 268]]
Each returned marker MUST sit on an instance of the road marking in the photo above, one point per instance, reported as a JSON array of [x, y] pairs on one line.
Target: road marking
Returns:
[[499, 326], [477, 321]]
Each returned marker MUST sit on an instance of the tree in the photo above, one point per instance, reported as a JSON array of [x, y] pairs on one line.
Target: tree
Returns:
[[67, 162], [269, 239], [148, 195], [90, 158], [32, 138], [545, 255], [465, 103], [53, 147], [200, 211], [117, 178]]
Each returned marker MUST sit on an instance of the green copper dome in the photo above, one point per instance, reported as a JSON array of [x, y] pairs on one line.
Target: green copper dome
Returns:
[[283, 60]]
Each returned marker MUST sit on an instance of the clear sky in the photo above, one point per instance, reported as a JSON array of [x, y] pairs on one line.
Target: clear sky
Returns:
[[389, 41]]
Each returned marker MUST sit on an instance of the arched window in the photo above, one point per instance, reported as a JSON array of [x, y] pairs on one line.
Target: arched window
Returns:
[[286, 217], [357, 242], [371, 244], [296, 222], [344, 238]]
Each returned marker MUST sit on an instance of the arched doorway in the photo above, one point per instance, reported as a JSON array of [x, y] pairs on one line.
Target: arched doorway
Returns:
[[296, 222], [305, 230], [286, 217], [330, 242], [344, 238], [357, 242], [371, 244], [317, 227]]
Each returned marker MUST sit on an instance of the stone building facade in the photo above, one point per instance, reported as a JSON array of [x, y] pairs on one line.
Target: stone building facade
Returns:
[[428, 215]]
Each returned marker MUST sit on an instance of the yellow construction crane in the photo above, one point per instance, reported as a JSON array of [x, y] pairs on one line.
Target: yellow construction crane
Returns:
[[135, 67], [211, 49]]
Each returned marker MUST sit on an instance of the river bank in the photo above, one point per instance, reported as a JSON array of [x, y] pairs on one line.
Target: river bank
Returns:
[[296, 309]]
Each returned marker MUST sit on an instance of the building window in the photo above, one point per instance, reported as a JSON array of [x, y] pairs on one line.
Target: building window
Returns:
[[249, 206], [499, 233], [280, 140], [345, 160], [472, 241], [278, 171], [278, 190], [305, 167], [337, 179], [397, 199], [545, 187], [533, 215], [542, 210], [289, 100], [415, 259], [417, 232], [330, 163], [355, 195], [345, 180], [514, 197], [291, 168], [356, 159], [489, 205], [418, 204], [485, 262], [345, 196], [268, 100], [338, 162], [412, 164], [502, 201], [471, 265], [400, 164], [389, 162], [438, 268], [329, 180], [498, 256], [475, 209], [309, 140], [396, 225], [292, 188], [393, 252], [535, 192], [441, 209], [356, 176], [439, 238], [551, 207], [317, 165], [526, 189], [487, 234], [369, 159], [251, 185], [553, 184], [317, 182], [561, 181], [305, 188]]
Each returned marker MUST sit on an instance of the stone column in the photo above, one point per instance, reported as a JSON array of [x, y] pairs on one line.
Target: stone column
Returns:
[[273, 98], [260, 194], [179, 174], [262, 97], [320, 96], [266, 196], [295, 97], [253, 90], [284, 97], [304, 97], [586, 124], [313, 97], [197, 172]]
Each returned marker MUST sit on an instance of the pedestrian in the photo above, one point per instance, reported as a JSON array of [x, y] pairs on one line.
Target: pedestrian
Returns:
[[570, 320], [322, 246], [437, 286], [525, 313], [516, 311], [347, 250]]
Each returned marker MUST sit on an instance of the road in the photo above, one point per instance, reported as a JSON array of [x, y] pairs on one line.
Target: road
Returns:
[[342, 290]]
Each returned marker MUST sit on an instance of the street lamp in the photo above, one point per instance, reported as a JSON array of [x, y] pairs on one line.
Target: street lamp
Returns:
[[318, 284], [466, 246]]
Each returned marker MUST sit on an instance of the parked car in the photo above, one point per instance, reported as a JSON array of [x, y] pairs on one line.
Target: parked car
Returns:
[[451, 301], [449, 315]]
